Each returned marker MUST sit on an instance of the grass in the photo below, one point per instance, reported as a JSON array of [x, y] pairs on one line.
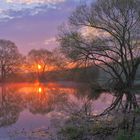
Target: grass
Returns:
[[125, 136]]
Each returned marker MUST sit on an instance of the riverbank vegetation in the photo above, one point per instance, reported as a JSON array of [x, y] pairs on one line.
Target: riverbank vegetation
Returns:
[[115, 49]]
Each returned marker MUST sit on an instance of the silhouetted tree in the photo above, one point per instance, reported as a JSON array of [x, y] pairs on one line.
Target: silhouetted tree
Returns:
[[60, 62], [42, 60], [10, 58], [39, 61], [115, 48]]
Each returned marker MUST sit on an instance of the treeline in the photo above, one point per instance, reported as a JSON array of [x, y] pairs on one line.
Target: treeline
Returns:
[[42, 65], [14, 66], [89, 74]]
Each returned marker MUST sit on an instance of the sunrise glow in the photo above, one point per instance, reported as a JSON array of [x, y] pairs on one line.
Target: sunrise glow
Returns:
[[39, 66], [39, 90]]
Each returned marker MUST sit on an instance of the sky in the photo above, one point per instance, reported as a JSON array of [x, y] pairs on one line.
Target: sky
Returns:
[[33, 24]]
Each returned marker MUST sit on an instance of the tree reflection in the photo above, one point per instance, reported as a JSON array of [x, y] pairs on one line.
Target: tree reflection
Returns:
[[44, 100], [38, 101], [88, 91], [11, 104], [41, 100]]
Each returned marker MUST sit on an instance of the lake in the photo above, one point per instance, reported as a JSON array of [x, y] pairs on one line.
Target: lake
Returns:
[[35, 111]]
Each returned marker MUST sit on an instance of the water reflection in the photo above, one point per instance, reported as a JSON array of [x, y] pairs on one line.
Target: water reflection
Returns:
[[11, 104], [37, 98], [35, 105], [44, 99]]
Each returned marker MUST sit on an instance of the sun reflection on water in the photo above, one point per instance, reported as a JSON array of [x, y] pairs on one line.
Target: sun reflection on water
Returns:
[[39, 89], [42, 99]]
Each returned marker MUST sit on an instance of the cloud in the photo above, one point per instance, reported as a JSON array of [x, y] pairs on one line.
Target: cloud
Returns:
[[34, 1], [1, 11], [10, 9], [89, 32], [50, 40]]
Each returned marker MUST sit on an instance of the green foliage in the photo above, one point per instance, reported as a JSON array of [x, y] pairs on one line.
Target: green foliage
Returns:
[[125, 136], [136, 136], [122, 136], [137, 111], [72, 133]]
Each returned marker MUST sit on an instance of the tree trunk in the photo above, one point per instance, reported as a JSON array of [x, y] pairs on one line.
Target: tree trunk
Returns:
[[3, 74], [131, 102]]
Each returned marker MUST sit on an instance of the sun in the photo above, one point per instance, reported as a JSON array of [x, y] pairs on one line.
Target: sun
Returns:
[[39, 66]]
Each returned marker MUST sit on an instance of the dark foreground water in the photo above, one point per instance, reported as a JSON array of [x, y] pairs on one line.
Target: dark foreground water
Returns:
[[36, 111]]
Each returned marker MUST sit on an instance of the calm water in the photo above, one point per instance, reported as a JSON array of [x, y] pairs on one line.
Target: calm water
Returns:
[[35, 111]]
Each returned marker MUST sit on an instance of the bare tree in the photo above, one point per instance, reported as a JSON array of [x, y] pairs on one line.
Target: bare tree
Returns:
[[116, 50], [42, 60], [10, 58], [59, 60], [40, 57]]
